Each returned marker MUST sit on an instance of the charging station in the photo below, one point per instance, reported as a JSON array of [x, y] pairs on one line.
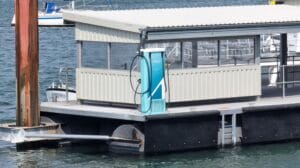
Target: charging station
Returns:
[[153, 99]]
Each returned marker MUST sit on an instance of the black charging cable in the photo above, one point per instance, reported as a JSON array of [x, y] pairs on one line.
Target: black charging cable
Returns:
[[149, 70]]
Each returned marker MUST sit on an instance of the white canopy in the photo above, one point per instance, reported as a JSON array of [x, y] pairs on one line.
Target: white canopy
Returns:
[[281, 18]]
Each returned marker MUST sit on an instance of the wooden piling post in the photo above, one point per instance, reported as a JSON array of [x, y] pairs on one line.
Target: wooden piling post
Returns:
[[27, 63]]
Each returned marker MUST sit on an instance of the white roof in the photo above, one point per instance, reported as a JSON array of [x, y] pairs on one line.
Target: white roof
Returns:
[[134, 20]]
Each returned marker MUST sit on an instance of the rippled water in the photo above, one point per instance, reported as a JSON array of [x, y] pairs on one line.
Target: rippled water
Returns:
[[57, 48]]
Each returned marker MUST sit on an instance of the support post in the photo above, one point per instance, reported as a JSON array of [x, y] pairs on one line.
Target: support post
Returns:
[[79, 54], [283, 60], [257, 49], [219, 52], [283, 49], [108, 55], [182, 55], [27, 63], [194, 54]]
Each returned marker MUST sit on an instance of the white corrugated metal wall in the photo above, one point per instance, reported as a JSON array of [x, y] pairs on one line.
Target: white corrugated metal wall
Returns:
[[86, 32], [185, 84]]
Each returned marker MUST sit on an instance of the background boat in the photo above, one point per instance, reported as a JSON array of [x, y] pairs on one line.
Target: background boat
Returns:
[[51, 15]]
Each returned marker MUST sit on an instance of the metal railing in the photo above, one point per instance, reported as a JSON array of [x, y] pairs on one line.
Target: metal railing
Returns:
[[285, 74], [66, 70], [284, 82]]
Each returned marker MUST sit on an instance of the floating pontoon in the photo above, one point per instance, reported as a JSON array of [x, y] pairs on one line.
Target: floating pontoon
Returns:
[[200, 79]]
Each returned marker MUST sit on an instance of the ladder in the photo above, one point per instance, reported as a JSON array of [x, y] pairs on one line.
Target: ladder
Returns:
[[231, 134]]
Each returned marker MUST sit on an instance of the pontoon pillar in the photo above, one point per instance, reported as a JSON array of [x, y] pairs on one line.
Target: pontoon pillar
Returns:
[[27, 63]]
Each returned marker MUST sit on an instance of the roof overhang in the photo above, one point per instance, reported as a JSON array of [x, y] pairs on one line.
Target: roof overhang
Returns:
[[92, 19], [186, 23], [221, 32]]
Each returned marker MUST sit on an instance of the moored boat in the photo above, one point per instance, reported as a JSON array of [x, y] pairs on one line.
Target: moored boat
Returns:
[[50, 16]]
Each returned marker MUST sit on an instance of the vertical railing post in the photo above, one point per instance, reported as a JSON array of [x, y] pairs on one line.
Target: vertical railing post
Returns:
[[27, 63], [73, 4], [67, 85]]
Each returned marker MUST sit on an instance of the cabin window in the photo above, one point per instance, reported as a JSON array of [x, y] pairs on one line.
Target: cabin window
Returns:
[[122, 55], [173, 52], [94, 55], [187, 54], [271, 60], [108, 55], [207, 53], [237, 52]]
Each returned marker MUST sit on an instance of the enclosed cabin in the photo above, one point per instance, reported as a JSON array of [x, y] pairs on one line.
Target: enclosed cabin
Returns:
[[211, 55]]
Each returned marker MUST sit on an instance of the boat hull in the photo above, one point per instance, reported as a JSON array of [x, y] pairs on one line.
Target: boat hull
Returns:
[[59, 95], [48, 20]]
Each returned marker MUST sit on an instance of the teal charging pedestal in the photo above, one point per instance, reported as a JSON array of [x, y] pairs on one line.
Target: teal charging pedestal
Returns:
[[153, 100]]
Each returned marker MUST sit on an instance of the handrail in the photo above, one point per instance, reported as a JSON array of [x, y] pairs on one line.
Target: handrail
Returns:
[[284, 82], [67, 69]]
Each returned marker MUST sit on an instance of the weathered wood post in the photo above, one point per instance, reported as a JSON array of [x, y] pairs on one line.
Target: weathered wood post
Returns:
[[27, 63]]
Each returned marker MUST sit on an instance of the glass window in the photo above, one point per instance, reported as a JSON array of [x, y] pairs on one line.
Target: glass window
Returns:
[[122, 55], [207, 53], [237, 52], [270, 46], [94, 55], [173, 52], [187, 54]]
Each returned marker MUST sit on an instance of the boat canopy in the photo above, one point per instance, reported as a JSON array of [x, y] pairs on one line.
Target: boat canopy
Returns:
[[51, 7], [183, 23]]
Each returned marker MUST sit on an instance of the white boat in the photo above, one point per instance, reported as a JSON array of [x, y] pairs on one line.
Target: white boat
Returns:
[[60, 91], [50, 16]]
